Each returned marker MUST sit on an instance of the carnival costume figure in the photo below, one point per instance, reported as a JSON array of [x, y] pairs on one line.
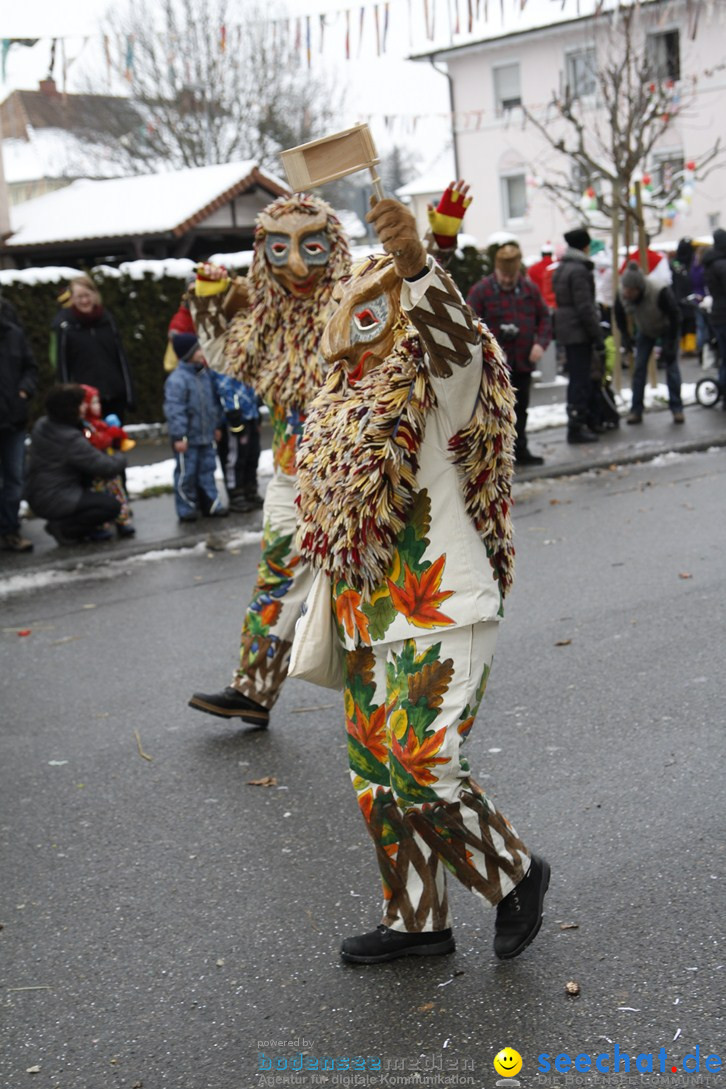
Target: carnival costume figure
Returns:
[[405, 476], [266, 331]]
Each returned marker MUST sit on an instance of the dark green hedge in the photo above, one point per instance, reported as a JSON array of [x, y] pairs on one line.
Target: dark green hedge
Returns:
[[468, 266], [142, 310]]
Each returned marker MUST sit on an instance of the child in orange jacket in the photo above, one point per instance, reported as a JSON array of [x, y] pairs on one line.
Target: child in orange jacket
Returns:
[[106, 435]]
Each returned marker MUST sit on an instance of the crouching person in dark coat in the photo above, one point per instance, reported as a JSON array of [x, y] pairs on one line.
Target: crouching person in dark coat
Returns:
[[62, 466]]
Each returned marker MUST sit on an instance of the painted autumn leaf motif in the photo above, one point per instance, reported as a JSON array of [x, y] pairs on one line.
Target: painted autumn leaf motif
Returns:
[[277, 563], [431, 683], [420, 597], [347, 610], [360, 663], [370, 730], [417, 757]]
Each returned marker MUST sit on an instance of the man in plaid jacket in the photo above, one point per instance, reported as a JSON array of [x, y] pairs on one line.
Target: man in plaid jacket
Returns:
[[512, 307]]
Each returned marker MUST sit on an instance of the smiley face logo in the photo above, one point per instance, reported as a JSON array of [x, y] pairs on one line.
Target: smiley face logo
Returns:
[[508, 1062]]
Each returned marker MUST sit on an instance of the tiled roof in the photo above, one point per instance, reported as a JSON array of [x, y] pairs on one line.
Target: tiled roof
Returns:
[[82, 113]]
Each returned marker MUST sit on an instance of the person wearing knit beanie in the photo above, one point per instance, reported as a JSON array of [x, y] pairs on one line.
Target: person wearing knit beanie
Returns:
[[632, 282], [655, 315], [578, 239], [195, 419], [578, 330], [184, 345]]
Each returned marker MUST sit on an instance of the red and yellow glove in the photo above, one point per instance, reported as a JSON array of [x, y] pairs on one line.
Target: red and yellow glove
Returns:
[[211, 280], [445, 220]]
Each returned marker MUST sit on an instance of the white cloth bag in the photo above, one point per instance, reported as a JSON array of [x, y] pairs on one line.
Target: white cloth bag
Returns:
[[317, 653]]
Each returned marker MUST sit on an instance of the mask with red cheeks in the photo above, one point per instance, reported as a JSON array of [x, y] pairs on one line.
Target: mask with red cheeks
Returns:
[[362, 332], [297, 249]]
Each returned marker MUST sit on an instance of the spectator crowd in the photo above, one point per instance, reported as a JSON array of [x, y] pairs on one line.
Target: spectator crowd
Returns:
[[74, 473]]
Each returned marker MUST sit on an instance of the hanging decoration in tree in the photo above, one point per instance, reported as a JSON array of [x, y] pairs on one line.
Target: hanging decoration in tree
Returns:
[[588, 202]]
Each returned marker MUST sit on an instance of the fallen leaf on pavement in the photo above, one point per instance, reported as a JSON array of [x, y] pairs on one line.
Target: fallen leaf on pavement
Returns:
[[684, 575], [265, 781], [142, 754], [24, 631], [569, 926], [426, 1007], [572, 988], [563, 642]]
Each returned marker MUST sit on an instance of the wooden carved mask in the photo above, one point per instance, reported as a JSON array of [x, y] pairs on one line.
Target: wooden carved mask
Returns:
[[362, 331], [297, 249]]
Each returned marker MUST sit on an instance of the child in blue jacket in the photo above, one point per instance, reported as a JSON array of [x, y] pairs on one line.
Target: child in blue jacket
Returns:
[[195, 419]]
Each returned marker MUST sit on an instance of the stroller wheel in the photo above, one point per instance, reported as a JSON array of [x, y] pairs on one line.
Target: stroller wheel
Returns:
[[707, 392]]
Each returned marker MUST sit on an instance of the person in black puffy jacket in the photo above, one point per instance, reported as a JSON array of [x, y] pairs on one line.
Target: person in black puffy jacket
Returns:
[[577, 328], [62, 467]]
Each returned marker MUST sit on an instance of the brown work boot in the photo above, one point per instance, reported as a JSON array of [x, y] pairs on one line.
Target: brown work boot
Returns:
[[13, 542]]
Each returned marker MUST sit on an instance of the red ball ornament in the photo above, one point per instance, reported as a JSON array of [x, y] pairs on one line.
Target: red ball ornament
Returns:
[[690, 165]]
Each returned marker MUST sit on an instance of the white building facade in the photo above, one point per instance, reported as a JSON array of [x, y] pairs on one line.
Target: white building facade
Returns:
[[504, 157]]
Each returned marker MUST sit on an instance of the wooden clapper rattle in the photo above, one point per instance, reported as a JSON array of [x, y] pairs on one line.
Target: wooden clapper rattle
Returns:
[[333, 157]]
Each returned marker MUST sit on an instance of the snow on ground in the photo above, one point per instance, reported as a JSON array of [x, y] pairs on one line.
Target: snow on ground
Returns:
[[48, 579], [139, 478], [541, 417]]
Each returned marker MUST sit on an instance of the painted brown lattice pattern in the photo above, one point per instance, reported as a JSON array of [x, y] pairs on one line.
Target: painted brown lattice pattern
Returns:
[[446, 326]]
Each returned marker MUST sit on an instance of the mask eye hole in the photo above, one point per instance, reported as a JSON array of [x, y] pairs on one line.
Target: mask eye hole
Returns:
[[365, 320], [279, 248], [313, 248]]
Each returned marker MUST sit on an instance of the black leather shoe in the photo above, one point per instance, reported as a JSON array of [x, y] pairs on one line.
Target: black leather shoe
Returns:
[[519, 914], [527, 458], [231, 704], [386, 944]]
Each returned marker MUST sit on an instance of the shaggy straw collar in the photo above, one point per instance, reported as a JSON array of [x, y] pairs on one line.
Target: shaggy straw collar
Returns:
[[359, 458]]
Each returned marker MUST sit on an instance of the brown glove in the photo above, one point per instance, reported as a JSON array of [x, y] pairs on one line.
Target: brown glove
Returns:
[[397, 231]]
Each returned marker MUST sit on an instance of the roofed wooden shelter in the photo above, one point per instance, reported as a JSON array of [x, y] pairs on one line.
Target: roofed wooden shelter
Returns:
[[184, 213]]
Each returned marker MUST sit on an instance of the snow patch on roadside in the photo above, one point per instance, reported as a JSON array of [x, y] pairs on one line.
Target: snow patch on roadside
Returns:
[[51, 578]]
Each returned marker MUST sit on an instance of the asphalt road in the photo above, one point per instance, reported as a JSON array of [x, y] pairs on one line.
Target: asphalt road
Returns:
[[165, 922]]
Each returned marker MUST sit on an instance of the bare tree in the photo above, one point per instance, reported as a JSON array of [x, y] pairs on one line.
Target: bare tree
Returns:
[[608, 126], [214, 81]]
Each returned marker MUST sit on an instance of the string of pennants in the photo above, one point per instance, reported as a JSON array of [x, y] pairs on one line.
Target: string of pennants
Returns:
[[351, 32]]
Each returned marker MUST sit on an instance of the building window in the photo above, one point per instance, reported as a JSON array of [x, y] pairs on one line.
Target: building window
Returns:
[[514, 196], [664, 55], [581, 73], [666, 168], [506, 88]]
